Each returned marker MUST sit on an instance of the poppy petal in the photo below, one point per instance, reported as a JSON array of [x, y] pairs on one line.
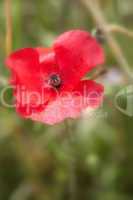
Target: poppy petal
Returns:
[[29, 102], [70, 105], [77, 52], [23, 60], [24, 65]]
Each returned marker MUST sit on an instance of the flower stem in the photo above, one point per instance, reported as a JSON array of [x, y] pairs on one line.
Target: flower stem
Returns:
[[101, 22], [71, 162], [114, 28], [8, 16]]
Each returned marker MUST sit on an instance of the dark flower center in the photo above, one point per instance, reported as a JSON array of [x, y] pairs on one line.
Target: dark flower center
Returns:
[[55, 80]]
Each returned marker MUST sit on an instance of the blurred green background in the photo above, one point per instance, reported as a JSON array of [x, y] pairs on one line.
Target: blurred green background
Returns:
[[41, 162]]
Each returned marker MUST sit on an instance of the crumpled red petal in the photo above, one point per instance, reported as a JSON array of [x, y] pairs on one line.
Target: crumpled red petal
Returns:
[[77, 52], [26, 59], [24, 65], [29, 102], [71, 104]]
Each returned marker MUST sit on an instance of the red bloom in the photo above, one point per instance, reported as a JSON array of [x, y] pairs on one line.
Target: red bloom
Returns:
[[48, 83]]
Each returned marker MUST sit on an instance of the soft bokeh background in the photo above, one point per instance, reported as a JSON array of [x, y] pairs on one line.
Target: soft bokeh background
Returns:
[[40, 162]]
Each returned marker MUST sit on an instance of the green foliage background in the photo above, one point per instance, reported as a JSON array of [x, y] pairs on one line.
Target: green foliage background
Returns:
[[40, 162]]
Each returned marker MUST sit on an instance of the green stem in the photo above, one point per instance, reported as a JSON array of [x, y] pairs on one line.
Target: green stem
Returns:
[[71, 162]]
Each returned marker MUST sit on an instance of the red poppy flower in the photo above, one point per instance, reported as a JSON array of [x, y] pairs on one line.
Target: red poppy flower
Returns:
[[48, 83]]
